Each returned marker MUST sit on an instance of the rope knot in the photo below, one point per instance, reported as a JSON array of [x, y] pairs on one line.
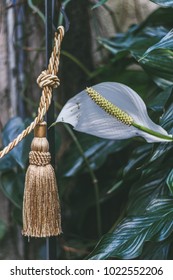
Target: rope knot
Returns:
[[39, 158], [48, 80]]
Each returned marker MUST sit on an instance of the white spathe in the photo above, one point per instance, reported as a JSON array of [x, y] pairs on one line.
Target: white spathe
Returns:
[[86, 116]]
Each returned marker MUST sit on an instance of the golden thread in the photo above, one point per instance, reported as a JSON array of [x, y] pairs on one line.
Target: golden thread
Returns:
[[41, 206], [41, 211], [109, 108], [47, 80], [39, 158]]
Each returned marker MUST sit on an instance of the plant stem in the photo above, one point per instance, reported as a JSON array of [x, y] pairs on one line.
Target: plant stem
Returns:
[[93, 177], [152, 132], [36, 10]]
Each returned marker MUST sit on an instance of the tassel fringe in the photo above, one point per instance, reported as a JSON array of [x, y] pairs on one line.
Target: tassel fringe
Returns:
[[41, 207]]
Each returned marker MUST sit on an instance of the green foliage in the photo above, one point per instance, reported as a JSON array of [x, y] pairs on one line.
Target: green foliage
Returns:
[[127, 185], [127, 241], [142, 183], [147, 211], [169, 181], [13, 165], [12, 185], [94, 149], [19, 155], [141, 42]]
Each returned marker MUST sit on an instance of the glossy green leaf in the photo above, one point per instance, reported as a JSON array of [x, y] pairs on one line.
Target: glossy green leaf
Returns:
[[12, 129], [12, 185], [161, 151], [144, 191], [140, 38], [159, 64], [7, 163], [133, 39], [169, 181], [140, 156], [127, 240], [164, 3], [115, 187], [165, 43], [95, 150], [155, 250], [167, 118], [164, 149], [158, 103]]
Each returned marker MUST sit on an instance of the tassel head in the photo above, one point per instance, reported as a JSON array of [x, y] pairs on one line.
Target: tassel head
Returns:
[[41, 208]]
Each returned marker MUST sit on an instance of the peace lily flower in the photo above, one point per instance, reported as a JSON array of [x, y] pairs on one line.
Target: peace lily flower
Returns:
[[113, 111]]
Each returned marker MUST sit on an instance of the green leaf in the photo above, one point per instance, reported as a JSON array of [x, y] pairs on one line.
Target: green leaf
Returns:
[[3, 229], [167, 119], [12, 185], [137, 39], [163, 3], [165, 43], [101, 2], [169, 181], [161, 151], [7, 163], [158, 103], [12, 129], [159, 64], [138, 158], [155, 250], [127, 240], [95, 150], [144, 191], [140, 37], [134, 39]]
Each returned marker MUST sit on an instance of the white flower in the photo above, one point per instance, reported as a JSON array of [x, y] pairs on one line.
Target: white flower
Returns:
[[113, 111]]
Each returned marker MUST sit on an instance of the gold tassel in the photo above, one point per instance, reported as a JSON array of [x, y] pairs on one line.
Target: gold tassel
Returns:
[[41, 208]]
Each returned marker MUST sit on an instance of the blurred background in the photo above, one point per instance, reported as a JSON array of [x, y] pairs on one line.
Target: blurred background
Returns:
[[107, 188]]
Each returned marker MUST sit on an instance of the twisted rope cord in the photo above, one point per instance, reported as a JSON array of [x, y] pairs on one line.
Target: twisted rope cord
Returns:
[[47, 80]]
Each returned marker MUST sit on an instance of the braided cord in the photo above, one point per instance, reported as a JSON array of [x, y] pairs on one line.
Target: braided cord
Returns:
[[47, 80]]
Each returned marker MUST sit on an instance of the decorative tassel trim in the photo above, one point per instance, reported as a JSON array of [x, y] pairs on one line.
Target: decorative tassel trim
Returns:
[[41, 208]]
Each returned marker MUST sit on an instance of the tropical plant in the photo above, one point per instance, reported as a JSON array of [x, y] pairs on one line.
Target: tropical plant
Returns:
[[116, 195], [143, 180]]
